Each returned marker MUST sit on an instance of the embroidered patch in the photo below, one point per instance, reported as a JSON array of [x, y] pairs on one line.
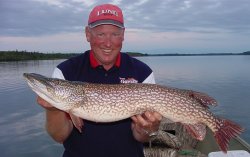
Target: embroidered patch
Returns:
[[128, 80]]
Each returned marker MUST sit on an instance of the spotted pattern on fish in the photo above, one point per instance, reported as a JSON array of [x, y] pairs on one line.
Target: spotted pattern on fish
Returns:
[[108, 103]]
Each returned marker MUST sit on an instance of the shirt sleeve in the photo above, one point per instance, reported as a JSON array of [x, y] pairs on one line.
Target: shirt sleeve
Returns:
[[150, 79], [58, 74]]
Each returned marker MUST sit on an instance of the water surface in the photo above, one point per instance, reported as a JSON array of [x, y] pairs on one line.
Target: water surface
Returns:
[[22, 134]]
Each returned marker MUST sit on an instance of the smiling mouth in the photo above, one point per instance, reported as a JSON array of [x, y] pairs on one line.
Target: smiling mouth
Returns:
[[107, 51]]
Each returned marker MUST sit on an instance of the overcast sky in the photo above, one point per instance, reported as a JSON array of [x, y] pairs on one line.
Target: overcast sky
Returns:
[[152, 26]]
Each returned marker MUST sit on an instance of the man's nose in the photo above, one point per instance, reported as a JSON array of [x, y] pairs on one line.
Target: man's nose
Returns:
[[107, 41]]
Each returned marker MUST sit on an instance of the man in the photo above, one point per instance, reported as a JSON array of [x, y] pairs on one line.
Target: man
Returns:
[[104, 63]]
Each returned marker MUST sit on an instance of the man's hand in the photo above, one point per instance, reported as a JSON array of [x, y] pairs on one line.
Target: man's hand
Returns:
[[77, 122], [145, 125], [45, 104]]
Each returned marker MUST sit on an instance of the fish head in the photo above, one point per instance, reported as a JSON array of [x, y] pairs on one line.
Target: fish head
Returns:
[[59, 93]]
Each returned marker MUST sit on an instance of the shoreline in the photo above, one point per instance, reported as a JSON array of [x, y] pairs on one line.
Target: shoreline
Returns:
[[6, 56]]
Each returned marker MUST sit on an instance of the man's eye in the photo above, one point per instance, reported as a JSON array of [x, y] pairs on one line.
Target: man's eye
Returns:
[[100, 34], [116, 34]]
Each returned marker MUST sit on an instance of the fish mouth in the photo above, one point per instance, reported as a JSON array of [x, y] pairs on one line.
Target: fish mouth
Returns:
[[36, 81], [40, 85]]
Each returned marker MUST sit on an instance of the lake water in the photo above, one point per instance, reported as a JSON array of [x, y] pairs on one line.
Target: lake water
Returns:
[[22, 134]]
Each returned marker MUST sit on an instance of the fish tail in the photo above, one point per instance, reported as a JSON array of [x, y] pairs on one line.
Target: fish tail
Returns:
[[225, 131]]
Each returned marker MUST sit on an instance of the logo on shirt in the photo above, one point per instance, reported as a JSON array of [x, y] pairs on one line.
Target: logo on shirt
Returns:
[[128, 80]]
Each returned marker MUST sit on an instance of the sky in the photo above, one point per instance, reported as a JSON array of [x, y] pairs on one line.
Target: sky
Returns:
[[152, 26]]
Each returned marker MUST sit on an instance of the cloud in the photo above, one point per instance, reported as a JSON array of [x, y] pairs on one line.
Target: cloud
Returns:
[[64, 42], [174, 15], [206, 19], [41, 17]]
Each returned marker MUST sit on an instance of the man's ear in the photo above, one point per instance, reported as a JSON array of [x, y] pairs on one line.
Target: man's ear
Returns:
[[87, 33], [123, 34]]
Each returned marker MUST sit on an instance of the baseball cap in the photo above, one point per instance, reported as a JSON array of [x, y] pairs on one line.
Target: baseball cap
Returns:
[[106, 14]]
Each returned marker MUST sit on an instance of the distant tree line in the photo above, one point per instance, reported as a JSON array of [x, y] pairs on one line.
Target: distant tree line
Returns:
[[200, 54], [137, 54], [24, 55], [246, 53]]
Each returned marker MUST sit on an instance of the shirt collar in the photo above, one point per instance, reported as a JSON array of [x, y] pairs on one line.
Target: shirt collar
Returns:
[[94, 63]]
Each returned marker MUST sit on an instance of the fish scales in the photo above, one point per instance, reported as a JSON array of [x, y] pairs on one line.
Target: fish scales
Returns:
[[109, 103], [131, 97], [121, 101]]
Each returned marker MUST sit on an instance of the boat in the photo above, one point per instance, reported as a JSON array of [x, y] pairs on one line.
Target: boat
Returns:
[[209, 144], [167, 144]]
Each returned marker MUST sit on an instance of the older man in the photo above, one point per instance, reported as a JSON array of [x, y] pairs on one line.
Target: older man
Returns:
[[104, 63]]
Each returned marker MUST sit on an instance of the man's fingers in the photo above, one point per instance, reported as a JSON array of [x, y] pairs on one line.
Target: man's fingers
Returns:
[[153, 116], [42, 102], [45, 104], [134, 119], [142, 121], [158, 116], [150, 116]]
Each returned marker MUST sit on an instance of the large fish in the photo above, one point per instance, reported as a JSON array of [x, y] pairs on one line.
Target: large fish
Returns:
[[108, 103]]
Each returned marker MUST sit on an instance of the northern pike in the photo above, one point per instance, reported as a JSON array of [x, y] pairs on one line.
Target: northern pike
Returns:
[[114, 102]]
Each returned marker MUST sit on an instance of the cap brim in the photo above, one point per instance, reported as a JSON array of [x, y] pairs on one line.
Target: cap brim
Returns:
[[106, 22]]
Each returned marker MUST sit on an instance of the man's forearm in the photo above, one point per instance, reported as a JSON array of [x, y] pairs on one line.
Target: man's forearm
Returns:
[[58, 125]]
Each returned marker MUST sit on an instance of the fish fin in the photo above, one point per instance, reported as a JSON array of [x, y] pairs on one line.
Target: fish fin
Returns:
[[203, 98], [198, 131], [225, 131], [77, 122]]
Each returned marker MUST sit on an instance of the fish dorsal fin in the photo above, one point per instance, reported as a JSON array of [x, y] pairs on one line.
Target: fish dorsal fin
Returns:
[[203, 98], [198, 131]]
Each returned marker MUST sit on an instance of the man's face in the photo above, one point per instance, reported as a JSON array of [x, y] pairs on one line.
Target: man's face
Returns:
[[106, 43]]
